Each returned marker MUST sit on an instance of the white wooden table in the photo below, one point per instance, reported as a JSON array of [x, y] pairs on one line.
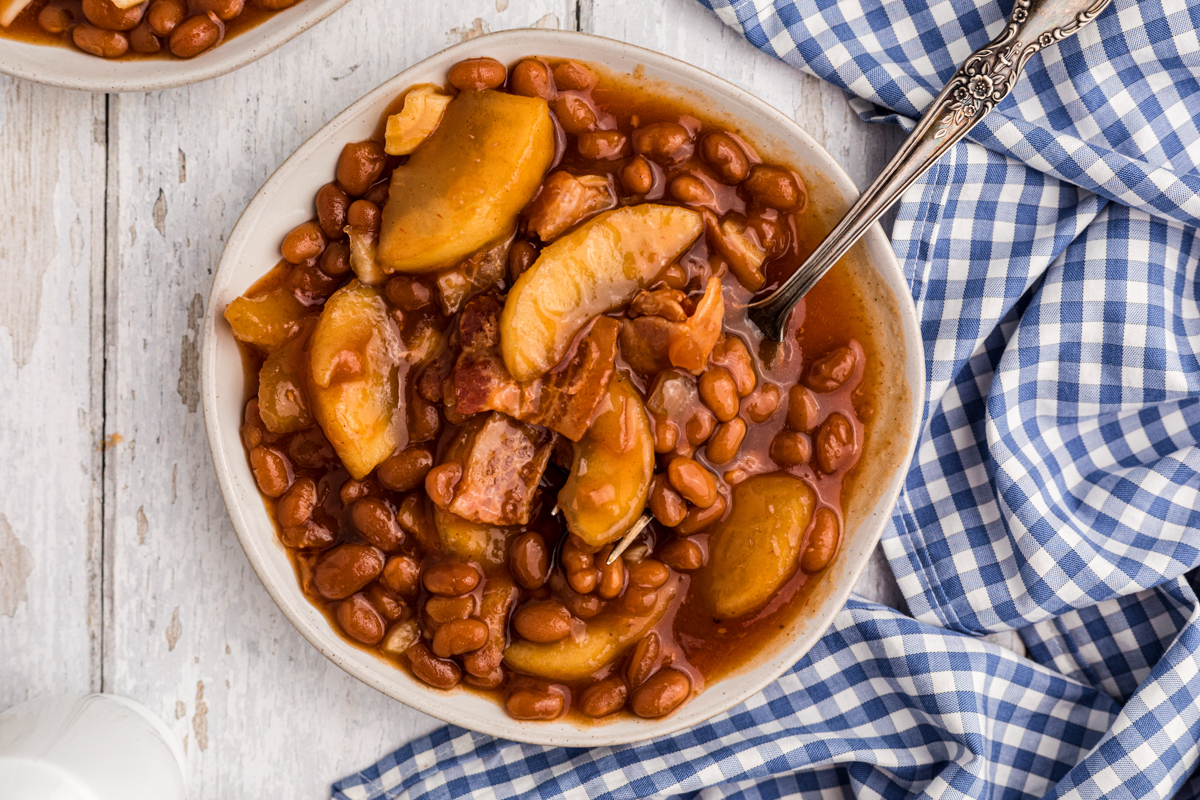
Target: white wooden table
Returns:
[[119, 570]]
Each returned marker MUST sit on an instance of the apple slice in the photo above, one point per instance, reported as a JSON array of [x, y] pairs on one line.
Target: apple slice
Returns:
[[594, 269], [354, 356], [604, 639], [754, 550], [463, 189], [613, 464]]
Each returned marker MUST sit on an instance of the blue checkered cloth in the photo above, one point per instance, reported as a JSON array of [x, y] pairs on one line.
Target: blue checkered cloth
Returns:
[[1056, 486]]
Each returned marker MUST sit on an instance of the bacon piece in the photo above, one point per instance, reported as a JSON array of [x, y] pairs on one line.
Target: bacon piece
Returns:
[[474, 275], [564, 399], [502, 463], [653, 343], [566, 200]]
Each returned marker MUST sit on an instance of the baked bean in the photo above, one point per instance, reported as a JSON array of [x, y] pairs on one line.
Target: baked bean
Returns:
[[308, 535], [310, 449], [296, 505], [772, 236], [822, 542], [335, 261], [698, 519], [448, 609], [675, 277], [543, 621], [224, 9], [831, 370], [665, 142], [165, 15], [491, 680], [272, 472], [415, 522], [790, 448], [665, 503], [802, 410], [56, 17], [722, 153], [648, 573], [692, 191], [379, 193], [521, 256], [637, 177], [390, 608], [441, 481], [732, 354], [603, 698], [603, 145], [440, 673], [332, 204], [761, 405], [359, 620], [835, 443], [699, 426], [661, 694], [359, 166], [352, 490], [529, 560], [574, 114], [693, 481], [582, 575], [364, 216], [407, 293], [726, 441], [459, 636], [402, 574], [477, 73], [107, 15], [377, 524], [719, 392], [642, 659], [534, 704], [310, 281], [424, 420], [407, 469], [532, 79], [573, 76], [99, 42], [683, 555], [451, 578], [638, 601], [775, 187], [276, 5], [612, 576], [196, 34], [346, 569]]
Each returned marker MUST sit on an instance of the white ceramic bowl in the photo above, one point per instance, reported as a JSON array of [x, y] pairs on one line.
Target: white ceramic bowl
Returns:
[[69, 68], [286, 200]]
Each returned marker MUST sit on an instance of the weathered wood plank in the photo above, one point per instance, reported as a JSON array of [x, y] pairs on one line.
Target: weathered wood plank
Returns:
[[52, 261], [192, 632]]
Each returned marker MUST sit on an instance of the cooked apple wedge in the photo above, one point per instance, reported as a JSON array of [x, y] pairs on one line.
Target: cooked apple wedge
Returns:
[[604, 639], [282, 398], [464, 187], [613, 464], [422, 111], [267, 319], [594, 269], [754, 550], [472, 541], [354, 355]]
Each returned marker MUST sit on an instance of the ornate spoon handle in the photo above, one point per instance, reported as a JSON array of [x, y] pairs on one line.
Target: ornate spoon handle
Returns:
[[983, 80]]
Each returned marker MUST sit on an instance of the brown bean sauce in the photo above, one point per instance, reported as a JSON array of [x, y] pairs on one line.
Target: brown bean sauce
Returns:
[[26, 27], [688, 639]]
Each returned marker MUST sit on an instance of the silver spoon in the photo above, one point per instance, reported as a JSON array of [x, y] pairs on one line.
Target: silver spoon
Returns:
[[983, 80]]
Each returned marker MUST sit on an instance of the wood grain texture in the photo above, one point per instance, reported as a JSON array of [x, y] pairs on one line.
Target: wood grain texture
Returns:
[[52, 146]]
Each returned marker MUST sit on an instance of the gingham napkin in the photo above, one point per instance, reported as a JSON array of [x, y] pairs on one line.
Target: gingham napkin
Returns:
[[1053, 261]]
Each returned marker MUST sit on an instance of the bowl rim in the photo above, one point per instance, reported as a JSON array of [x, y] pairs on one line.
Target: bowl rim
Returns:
[[212, 64], [431, 701]]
